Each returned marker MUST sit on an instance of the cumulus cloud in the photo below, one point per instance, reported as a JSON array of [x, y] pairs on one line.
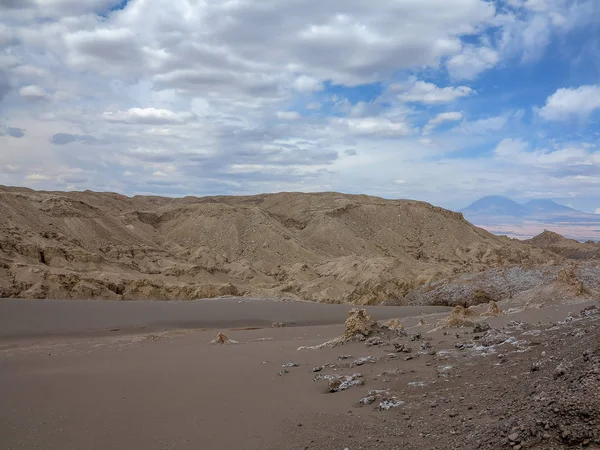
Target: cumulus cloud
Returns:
[[429, 93], [566, 103], [32, 91], [149, 116], [307, 84], [288, 115], [471, 61], [441, 118], [374, 126], [484, 125], [191, 97], [518, 151]]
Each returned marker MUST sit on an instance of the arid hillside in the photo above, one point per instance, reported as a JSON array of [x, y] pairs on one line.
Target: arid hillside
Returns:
[[325, 247], [568, 248]]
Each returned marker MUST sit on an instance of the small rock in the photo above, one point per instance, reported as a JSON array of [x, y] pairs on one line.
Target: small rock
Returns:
[[365, 359], [367, 400], [481, 327], [290, 364], [415, 337], [283, 372], [514, 437], [398, 346], [560, 371], [317, 369], [389, 404], [375, 340], [223, 339]]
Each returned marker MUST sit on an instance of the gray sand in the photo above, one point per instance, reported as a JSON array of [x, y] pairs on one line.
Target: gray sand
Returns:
[[37, 318]]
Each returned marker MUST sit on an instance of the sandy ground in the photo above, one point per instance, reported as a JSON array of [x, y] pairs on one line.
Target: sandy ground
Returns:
[[68, 382], [23, 318], [171, 389]]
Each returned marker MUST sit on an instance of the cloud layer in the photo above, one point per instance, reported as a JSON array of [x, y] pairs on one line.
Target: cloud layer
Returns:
[[203, 97]]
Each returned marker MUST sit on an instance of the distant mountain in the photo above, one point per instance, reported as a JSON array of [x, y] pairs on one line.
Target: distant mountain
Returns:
[[502, 215], [548, 207], [495, 205]]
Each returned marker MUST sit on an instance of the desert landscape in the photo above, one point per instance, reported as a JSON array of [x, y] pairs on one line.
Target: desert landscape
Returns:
[[308, 321], [299, 225]]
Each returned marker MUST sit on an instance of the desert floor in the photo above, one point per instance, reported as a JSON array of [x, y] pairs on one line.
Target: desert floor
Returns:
[[154, 382]]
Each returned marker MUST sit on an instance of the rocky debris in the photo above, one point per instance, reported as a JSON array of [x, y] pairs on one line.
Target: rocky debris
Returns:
[[329, 344], [590, 311], [365, 360], [493, 310], [373, 341], [386, 400], [560, 370], [459, 317], [544, 398], [359, 326], [493, 337], [562, 411], [481, 327], [415, 337], [426, 348], [568, 276], [401, 347], [388, 404], [393, 325], [278, 325], [283, 372], [516, 325], [358, 322], [337, 383], [223, 339], [290, 364]]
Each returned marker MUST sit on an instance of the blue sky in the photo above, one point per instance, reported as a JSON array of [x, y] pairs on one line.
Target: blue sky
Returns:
[[437, 101]]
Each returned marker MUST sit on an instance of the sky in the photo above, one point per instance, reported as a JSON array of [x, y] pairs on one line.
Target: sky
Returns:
[[434, 100]]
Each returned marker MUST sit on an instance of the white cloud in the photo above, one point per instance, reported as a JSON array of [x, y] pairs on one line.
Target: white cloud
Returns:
[[468, 64], [429, 93], [151, 116], [201, 97], [510, 148], [32, 91], [288, 115], [441, 118], [307, 84], [517, 151], [38, 177], [566, 103], [375, 126], [483, 126]]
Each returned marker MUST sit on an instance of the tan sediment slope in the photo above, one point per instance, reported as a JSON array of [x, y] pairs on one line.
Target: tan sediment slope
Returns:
[[569, 248], [326, 247]]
